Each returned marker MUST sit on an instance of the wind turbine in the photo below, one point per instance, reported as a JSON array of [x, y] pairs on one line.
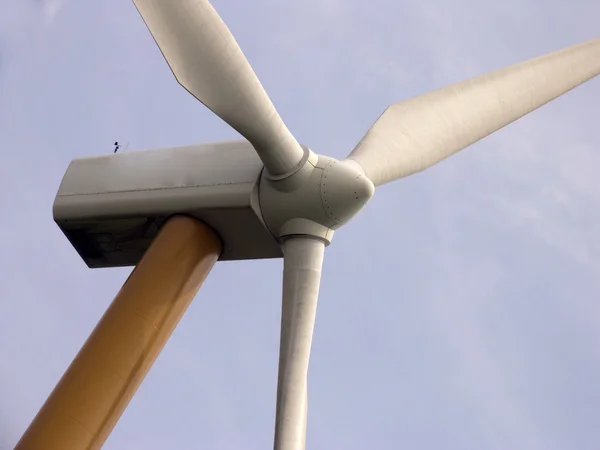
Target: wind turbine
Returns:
[[268, 196]]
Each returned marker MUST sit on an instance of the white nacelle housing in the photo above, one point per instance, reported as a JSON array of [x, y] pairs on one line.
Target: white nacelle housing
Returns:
[[111, 207]]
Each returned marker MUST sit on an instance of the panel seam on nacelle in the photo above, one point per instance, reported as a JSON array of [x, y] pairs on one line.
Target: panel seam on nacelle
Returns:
[[157, 189]]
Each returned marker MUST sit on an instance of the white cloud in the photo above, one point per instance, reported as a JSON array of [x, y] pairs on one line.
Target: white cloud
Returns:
[[51, 8]]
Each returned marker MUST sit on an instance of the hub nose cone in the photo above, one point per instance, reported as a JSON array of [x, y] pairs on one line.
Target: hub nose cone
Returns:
[[345, 190]]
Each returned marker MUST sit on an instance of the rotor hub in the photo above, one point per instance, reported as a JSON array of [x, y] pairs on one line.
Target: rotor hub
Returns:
[[318, 199]]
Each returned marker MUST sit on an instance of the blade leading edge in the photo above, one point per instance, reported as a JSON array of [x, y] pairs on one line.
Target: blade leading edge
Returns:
[[302, 263], [415, 134], [207, 61]]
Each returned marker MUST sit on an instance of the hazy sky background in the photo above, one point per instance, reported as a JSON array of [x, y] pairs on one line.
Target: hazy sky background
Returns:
[[460, 310]]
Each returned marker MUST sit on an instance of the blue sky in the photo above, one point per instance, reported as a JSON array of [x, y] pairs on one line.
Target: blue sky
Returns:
[[460, 310]]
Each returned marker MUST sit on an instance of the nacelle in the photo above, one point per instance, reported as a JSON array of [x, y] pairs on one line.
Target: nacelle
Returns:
[[111, 207]]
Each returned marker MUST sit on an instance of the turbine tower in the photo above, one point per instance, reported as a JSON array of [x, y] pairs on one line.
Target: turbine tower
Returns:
[[173, 212]]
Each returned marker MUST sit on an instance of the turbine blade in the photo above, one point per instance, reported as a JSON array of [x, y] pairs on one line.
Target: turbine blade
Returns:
[[302, 262], [303, 446], [207, 61], [415, 134]]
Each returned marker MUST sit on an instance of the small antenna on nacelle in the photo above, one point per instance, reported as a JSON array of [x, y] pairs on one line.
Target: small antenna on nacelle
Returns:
[[119, 146]]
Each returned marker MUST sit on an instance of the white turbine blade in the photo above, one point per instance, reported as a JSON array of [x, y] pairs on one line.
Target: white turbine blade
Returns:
[[207, 61], [412, 135], [303, 446], [302, 262]]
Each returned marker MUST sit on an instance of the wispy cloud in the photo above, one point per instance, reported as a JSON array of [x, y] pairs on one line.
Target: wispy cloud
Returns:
[[51, 9]]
